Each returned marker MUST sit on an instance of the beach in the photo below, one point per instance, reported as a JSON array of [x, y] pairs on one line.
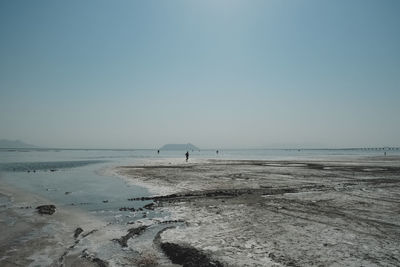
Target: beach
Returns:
[[282, 213], [301, 211]]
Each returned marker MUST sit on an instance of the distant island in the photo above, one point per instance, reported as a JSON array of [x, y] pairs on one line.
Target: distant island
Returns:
[[4, 143], [187, 146]]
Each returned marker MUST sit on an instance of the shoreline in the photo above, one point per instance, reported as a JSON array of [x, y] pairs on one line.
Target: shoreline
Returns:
[[154, 189], [73, 236]]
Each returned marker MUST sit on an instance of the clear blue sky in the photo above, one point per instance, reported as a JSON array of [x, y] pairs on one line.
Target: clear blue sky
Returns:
[[139, 74]]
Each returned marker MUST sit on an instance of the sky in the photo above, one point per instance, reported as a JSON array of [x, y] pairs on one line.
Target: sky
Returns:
[[218, 74]]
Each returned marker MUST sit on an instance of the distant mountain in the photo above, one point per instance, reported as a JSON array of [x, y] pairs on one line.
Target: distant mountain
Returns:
[[14, 144], [188, 146]]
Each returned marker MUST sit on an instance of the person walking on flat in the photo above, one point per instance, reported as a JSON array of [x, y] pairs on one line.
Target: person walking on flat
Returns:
[[187, 155]]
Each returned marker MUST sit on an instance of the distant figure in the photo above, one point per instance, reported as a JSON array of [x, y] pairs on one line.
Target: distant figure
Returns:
[[187, 155], [217, 152], [384, 153], [158, 151]]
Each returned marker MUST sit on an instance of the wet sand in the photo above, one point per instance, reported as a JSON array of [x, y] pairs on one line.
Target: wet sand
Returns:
[[74, 237], [28, 238], [328, 212]]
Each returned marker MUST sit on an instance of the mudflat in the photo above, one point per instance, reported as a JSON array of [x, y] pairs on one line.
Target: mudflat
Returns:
[[29, 237], [323, 212]]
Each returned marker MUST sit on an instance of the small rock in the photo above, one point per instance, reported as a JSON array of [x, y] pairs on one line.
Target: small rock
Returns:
[[46, 209], [77, 232]]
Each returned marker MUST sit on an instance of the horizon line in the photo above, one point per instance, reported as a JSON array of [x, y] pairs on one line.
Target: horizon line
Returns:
[[262, 148]]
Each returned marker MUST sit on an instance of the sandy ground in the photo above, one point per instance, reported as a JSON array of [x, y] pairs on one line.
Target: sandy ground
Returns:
[[281, 213]]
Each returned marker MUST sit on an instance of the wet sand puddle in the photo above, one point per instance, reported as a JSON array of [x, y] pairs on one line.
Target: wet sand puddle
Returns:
[[116, 231]]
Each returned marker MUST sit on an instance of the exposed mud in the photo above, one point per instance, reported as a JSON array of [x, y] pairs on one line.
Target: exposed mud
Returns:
[[290, 213], [123, 240], [188, 256]]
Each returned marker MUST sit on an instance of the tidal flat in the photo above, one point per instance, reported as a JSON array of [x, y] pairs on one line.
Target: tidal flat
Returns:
[[321, 212], [327, 211]]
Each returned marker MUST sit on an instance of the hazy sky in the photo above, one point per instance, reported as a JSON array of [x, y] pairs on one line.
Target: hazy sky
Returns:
[[139, 74]]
